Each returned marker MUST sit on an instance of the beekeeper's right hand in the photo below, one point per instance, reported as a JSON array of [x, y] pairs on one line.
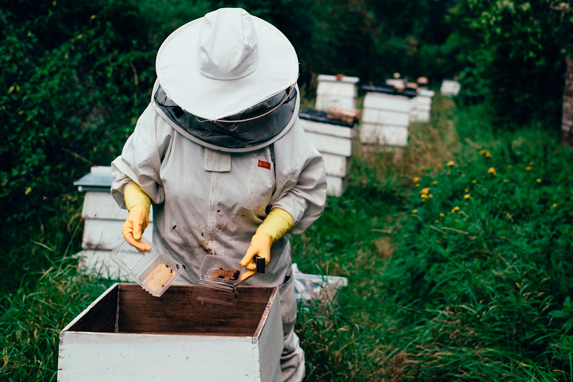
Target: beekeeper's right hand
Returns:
[[138, 204]]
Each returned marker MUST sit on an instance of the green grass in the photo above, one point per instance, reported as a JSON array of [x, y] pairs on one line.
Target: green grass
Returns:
[[480, 292]]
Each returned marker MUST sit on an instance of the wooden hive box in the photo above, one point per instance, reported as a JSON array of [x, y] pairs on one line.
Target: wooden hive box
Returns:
[[450, 87], [420, 110], [385, 116], [334, 140], [336, 91], [103, 220], [128, 335]]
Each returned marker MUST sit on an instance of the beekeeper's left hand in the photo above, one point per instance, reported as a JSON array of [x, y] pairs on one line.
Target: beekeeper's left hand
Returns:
[[277, 223]]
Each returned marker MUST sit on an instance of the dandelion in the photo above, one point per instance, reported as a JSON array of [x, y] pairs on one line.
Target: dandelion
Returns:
[[538, 180], [466, 190], [441, 215], [467, 196], [414, 211], [435, 221], [435, 183], [450, 163], [417, 184], [93, 17], [80, 37], [430, 196], [416, 179], [474, 181], [425, 190], [424, 196], [491, 171], [486, 153], [455, 209], [554, 205]]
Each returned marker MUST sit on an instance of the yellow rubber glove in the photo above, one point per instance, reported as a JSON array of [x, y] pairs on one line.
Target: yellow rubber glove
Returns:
[[138, 204], [277, 223]]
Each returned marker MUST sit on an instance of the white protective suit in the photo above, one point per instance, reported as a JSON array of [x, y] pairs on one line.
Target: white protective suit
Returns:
[[208, 202]]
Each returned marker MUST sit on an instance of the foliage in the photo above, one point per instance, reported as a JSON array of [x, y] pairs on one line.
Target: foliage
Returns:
[[513, 57]]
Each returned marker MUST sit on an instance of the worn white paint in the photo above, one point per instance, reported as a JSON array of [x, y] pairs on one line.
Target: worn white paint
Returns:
[[331, 145], [385, 117], [450, 88], [125, 357], [381, 101], [333, 92], [328, 129], [336, 165], [384, 135], [335, 185], [106, 234]]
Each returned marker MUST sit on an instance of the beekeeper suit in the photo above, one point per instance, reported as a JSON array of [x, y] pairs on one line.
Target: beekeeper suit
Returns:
[[222, 156]]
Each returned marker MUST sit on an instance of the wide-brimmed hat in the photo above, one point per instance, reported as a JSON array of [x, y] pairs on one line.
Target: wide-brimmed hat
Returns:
[[225, 62]]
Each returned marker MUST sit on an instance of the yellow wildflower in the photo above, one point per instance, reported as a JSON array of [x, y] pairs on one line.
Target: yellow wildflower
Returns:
[[528, 168], [414, 211], [463, 175], [508, 166], [505, 181], [491, 171], [531, 163], [435, 183], [554, 205], [538, 180], [425, 190], [431, 196], [92, 17], [441, 215], [424, 196], [466, 190], [416, 179], [455, 209], [486, 153], [80, 37], [450, 163], [474, 181], [467, 196], [417, 184]]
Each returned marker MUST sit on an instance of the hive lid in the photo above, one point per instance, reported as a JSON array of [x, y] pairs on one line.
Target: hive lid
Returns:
[[154, 271], [322, 117]]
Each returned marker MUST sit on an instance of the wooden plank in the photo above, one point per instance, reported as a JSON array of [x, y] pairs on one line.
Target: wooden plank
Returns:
[[335, 186], [331, 145], [99, 316], [327, 129], [385, 117], [180, 310], [122, 357], [336, 165], [325, 102], [384, 135], [390, 102], [106, 234]]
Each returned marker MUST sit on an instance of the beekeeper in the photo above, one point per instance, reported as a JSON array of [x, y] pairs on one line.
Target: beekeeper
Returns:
[[221, 154]]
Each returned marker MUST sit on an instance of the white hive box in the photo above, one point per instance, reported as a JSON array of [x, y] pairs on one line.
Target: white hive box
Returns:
[[103, 220], [385, 116], [421, 106], [450, 87], [336, 91], [334, 140], [128, 335]]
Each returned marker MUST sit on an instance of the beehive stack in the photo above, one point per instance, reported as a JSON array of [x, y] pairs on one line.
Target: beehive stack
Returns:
[[385, 116], [336, 91], [421, 106], [450, 87], [334, 139], [103, 220]]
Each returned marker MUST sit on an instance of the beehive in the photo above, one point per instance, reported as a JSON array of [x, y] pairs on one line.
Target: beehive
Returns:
[[336, 91], [385, 116], [334, 140], [450, 87], [128, 335], [421, 106], [103, 220]]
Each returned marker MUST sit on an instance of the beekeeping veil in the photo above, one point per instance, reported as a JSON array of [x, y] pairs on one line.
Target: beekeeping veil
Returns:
[[228, 81]]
